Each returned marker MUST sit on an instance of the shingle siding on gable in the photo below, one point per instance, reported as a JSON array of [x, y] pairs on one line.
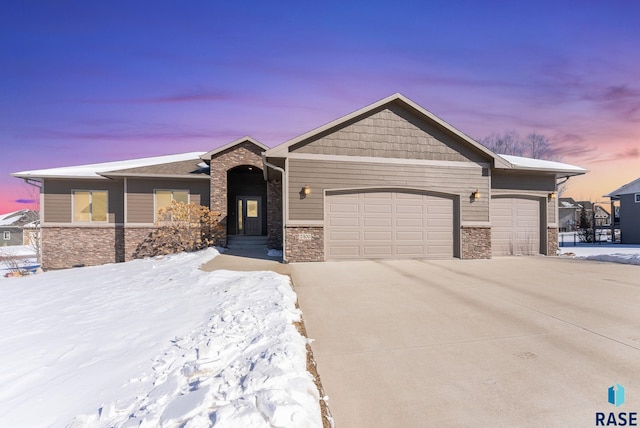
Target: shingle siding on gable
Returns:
[[393, 133]]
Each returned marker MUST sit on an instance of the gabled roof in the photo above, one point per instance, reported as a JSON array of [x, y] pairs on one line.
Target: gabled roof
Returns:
[[98, 170], [499, 161], [246, 139], [283, 149], [633, 187]]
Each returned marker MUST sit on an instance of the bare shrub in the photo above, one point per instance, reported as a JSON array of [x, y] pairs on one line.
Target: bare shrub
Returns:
[[180, 227], [16, 265]]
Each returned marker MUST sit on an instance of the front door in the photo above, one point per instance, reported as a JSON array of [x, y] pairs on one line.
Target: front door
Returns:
[[249, 209]]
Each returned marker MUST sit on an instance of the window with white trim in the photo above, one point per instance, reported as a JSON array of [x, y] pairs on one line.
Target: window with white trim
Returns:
[[90, 206], [637, 197], [6, 235], [162, 199]]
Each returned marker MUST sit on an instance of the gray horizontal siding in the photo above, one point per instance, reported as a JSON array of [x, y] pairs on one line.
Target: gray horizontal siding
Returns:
[[326, 175], [522, 181], [57, 198], [391, 133], [629, 219], [140, 196]]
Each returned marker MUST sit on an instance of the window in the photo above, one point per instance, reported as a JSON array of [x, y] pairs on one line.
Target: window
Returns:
[[637, 197], [163, 198], [6, 235], [90, 206]]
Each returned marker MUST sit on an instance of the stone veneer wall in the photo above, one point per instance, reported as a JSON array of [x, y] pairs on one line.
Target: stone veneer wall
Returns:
[[245, 153], [133, 237], [305, 244], [552, 241], [65, 247], [274, 214], [476, 242]]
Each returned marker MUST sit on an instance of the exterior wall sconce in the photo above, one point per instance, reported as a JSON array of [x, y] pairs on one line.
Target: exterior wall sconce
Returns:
[[475, 195], [552, 195], [306, 190]]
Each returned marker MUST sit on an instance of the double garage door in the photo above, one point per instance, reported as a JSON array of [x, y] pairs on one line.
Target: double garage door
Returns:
[[377, 224], [515, 226]]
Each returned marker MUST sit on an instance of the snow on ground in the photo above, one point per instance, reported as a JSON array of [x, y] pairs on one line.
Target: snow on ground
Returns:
[[603, 251], [17, 250], [153, 342]]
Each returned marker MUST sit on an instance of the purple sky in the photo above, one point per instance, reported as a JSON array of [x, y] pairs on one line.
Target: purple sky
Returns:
[[86, 82]]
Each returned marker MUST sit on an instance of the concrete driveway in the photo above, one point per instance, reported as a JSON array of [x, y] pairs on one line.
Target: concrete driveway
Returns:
[[516, 341]]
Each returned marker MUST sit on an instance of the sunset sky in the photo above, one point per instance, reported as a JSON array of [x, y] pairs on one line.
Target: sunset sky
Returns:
[[96, 81]]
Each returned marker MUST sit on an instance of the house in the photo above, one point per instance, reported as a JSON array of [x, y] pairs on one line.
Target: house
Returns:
[[12, 227], [568, 214], [390, 180], [628, 198], [595, 214]]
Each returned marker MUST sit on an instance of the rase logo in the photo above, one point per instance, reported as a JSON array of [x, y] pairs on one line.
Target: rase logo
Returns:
[[621, 419], [616, 395]]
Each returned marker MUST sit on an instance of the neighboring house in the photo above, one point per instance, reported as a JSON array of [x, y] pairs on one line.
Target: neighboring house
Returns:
[[602, 217], [390, 180], [568, 214], [595, 213], [628, 196], [12, 227]]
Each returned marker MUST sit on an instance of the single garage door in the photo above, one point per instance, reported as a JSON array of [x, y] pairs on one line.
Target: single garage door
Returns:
[[515, 226], [374, 224]]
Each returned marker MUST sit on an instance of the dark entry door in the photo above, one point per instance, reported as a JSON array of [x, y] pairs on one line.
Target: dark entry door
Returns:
[[249, 209]]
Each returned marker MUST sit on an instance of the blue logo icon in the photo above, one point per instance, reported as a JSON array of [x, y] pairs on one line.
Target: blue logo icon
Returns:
[[616, 395]]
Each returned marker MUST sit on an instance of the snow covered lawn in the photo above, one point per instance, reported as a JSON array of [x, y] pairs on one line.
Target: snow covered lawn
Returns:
[[154, 342], [617, 253]]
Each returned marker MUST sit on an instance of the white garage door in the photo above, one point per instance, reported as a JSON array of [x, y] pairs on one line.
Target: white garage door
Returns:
[[515, 226], [371, 225]]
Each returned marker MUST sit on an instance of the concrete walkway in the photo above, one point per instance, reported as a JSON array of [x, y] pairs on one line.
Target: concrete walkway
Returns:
[[246, 261], [508, 342]]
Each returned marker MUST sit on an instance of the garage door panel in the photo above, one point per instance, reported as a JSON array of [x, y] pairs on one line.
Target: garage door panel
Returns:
[[410, 250], [410, 236], [381, 235], [441, 223], [376, 222], [515, 226], [409, 209], [346, 235], [377, 250], [377, 208], [410, 223], [345, 252], [390, 225], [344, 208], [344, 221]]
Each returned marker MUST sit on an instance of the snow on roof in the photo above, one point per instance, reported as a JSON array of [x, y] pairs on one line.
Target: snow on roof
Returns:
[[94, 170], [530, 163], [567, 204], [633, 187], [10, 218]]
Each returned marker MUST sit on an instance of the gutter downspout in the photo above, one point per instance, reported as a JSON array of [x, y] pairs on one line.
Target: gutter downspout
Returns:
[[32, 182], [284, 196]]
